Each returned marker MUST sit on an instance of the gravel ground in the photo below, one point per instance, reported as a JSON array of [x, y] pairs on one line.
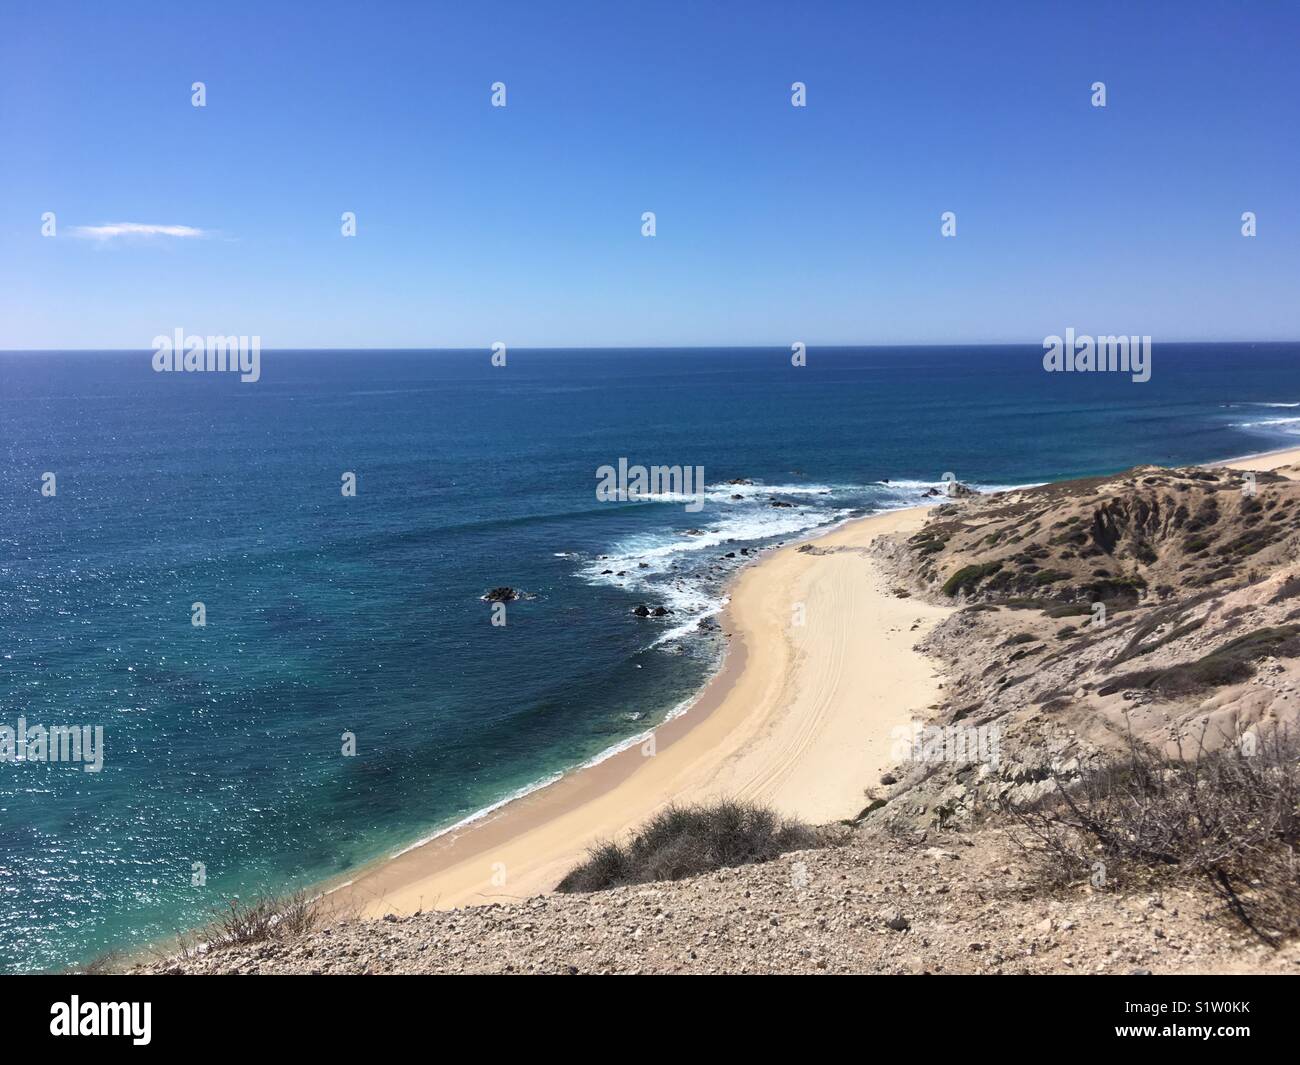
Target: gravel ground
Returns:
[[936, 903]]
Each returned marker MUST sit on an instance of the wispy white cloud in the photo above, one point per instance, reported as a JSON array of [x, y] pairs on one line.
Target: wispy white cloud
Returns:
[[113, 230]]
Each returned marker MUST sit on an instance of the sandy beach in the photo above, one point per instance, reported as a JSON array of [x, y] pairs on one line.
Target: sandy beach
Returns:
[[1285, 462], [800, 716]]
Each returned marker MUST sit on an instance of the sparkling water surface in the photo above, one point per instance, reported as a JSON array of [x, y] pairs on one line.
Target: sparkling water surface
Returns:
[[328, 614]]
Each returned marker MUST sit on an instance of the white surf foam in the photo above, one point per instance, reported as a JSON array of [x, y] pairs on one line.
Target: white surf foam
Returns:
[[1284, 425]]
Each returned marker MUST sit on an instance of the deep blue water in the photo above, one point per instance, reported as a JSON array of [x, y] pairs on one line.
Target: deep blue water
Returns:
[[328, 614]]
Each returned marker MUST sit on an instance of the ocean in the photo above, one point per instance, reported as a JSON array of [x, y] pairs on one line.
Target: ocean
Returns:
[[328, 614]]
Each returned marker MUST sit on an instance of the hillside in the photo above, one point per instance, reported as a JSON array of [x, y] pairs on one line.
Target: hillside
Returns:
[[1196, 641]]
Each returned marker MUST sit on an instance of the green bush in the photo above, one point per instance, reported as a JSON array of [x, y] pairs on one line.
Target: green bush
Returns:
[[966, 578]]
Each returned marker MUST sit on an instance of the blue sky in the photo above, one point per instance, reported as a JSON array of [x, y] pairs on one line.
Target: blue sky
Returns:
[[522, 224]]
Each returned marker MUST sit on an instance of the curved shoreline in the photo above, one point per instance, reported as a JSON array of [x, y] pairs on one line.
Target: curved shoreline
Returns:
[[1261, 460], [776, 723], [379, 885], [781, 732]]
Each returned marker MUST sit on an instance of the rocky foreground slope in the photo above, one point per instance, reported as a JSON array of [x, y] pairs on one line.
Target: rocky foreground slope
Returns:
[[1157, 606], [942, 903]]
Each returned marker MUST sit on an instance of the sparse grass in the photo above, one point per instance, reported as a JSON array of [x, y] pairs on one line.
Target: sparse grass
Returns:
[[1248, 543], [1228, 817], [1173, 615], [1229, 664], [683, 841], [1108, 588], [1024, 653], [262, 919], [1068, 610], [1020, 637], [1050, 576], [265, 918]]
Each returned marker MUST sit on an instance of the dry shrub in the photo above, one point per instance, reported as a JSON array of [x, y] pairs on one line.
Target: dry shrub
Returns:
[[267, 917], [1228, 817], [683, 841]]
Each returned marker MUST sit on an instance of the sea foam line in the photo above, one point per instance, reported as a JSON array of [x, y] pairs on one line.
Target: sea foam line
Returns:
[[684, 706], [552, 778], [478, 815]]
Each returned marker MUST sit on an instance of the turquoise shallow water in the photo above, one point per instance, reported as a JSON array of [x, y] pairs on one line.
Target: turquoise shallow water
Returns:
[[328, 614]]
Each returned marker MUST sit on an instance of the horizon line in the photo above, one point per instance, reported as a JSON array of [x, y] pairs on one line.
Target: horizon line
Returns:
[[636, 347]]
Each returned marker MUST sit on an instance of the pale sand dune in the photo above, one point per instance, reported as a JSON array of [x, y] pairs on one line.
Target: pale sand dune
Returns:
[[801, 717]]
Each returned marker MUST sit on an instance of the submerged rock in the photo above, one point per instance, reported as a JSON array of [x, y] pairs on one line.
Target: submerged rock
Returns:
[[643, 611]]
